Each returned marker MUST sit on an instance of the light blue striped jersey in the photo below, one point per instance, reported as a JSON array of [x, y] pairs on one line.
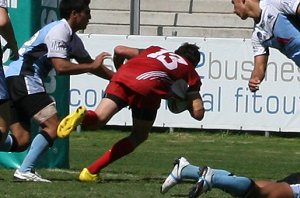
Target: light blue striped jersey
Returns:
[[278, 28], [53, 40]]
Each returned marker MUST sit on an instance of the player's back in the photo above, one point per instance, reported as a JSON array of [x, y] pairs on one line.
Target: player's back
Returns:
[[154, 70]]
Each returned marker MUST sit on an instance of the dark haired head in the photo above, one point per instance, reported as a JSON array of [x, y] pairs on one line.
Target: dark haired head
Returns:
[[67, 6], [190, 52]]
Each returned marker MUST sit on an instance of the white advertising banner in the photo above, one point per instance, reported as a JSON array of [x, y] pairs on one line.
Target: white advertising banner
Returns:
[[225, 68]]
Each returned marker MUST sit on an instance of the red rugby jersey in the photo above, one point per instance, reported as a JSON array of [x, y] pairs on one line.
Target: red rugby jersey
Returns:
[[154, 70]]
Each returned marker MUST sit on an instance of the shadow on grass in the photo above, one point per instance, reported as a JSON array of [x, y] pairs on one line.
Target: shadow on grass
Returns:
[[179, 195]]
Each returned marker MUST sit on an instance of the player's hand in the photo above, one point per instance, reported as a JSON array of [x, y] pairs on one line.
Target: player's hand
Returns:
[[100, 58], [253, 84]]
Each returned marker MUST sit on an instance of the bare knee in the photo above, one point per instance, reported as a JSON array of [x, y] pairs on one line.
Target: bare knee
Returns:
[[50, 126]]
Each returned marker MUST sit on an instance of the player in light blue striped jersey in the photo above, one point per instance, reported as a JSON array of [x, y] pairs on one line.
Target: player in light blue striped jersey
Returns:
[[276, 25], [52, 47], [238, 186]]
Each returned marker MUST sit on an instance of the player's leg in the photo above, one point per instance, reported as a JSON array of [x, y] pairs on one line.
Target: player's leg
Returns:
[[19, 138], [123, 147], [8, 142], [42, 109], [107, 107], [221, 179], [143, 119], [4, 104], [69, 123], [4, 118], [88, 118], [113, 101], [182, 170], [17, 141]]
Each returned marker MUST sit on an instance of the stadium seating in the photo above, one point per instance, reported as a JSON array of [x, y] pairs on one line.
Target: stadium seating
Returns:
[[203, 18]]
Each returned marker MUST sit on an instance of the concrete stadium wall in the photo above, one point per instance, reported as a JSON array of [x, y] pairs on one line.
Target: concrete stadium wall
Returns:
[[185, 18]]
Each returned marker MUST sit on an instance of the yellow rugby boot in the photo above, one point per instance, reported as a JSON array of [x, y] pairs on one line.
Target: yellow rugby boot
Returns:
[[70, 122], [86, 176]]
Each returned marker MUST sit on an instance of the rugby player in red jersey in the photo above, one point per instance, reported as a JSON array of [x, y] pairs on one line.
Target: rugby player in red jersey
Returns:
[[140, 83]]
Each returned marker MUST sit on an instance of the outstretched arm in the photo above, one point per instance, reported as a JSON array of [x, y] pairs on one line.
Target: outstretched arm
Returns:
[[258, 73], [64, 66]]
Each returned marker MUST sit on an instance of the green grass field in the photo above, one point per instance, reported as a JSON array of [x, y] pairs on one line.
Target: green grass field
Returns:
[[141, 173]]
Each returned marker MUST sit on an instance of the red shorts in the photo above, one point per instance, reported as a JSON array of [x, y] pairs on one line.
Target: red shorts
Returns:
[[132, 98]]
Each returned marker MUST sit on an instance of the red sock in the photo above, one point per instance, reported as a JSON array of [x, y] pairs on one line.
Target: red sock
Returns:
[[90, 119], [118, 150]]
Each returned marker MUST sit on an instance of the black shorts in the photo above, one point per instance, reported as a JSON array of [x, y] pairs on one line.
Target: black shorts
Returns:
[[137, 113], [25, 108], [18, 87]]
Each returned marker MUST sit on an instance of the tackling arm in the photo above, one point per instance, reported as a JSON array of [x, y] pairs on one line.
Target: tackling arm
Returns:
[[65, 66]]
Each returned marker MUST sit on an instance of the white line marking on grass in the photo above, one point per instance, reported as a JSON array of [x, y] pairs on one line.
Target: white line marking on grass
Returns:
[[106, 174], [64, 171]]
